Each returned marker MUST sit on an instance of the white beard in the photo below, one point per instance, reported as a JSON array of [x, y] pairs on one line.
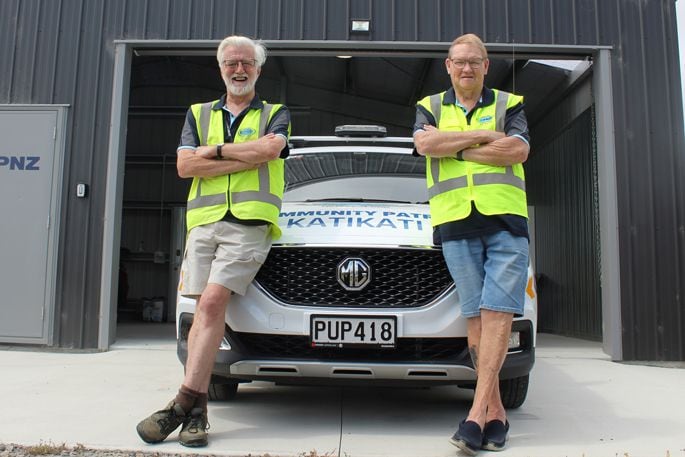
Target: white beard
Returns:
[[239, 91]]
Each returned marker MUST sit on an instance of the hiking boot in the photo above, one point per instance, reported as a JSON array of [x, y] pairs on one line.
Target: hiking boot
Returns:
[[155, 428], [194, 431], [468, 438]]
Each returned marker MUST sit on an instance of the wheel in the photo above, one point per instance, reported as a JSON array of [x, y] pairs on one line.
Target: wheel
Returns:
[[222, 391], [513, 391]]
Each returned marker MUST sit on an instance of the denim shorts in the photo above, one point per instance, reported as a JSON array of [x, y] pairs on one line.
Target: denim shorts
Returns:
[[489, 272]]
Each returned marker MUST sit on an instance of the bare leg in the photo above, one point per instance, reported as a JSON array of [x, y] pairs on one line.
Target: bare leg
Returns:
[[205, 336], [203, 344], [488, 341], [495, 407], [473, 331]]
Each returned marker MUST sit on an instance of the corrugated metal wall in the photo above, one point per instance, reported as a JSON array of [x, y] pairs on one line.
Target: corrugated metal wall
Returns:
[[562, 180], [650, 169], [61, 52]]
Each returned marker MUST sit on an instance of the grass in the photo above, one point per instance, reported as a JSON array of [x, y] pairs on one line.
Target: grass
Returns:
[[51, 448], [46, 448]]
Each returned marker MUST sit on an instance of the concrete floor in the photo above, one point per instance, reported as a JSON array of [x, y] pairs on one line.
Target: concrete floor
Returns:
[[579, 404]]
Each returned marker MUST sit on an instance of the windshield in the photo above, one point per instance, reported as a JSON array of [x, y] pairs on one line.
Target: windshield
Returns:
[[346, 175]]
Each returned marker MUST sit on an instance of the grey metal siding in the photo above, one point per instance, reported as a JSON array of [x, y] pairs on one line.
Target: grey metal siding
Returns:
[[650, 169], [62, 52], [561, 177]]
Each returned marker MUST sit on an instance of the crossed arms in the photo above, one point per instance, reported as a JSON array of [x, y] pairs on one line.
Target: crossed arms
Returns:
[[202, 162], [488, 147]]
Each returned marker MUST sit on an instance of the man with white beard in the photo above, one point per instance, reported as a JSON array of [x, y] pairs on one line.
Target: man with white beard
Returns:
[[233, 149]]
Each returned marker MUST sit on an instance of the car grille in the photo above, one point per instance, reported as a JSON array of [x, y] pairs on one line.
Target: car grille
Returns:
[[399, 278], [299, 347]]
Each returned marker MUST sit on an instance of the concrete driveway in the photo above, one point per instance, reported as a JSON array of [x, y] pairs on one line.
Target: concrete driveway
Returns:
[[579, 404]]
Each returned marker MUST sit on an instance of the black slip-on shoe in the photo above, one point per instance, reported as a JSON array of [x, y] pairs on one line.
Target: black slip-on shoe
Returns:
[[468, 437], [495, 435]]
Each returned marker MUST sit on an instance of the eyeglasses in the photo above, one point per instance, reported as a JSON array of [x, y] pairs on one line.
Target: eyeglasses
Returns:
[[247, 64], [474, 63]]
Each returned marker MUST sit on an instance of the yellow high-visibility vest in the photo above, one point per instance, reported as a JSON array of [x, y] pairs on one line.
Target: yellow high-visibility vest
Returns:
[[454, 184], [249, 194]]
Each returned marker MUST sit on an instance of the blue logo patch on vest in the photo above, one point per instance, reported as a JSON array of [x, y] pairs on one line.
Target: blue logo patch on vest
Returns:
[[246, 131], [485, 119]]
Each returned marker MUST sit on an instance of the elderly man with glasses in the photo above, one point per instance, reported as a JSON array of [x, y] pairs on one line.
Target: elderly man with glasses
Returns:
[[475, 140], [233, 149]]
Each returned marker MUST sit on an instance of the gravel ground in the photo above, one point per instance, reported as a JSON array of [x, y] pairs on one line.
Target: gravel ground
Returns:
[[60, 450]]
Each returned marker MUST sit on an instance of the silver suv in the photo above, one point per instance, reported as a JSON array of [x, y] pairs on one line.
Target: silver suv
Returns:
[[355, 291]]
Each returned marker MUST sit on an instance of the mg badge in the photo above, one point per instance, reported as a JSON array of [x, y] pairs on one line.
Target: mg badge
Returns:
[[354, 273]]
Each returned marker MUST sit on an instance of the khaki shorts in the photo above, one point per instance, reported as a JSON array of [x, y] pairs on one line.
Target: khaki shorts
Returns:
[[223, 253]]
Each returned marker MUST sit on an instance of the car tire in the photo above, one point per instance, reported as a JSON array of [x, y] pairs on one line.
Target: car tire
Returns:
[[513, 391], [222, 391]]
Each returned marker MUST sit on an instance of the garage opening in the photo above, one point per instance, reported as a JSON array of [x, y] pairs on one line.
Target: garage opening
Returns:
[[329, 84]]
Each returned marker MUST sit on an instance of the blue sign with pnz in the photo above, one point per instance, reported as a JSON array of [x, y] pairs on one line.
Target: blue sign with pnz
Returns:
[[29, 163]]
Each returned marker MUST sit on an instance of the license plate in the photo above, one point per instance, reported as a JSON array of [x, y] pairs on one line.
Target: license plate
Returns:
[[342, 331]]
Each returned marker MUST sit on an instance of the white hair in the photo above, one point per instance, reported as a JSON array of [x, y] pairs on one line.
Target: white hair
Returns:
[[242, 41]]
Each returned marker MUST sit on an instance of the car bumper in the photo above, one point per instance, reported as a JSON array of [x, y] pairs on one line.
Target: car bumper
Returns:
[[422, 361]]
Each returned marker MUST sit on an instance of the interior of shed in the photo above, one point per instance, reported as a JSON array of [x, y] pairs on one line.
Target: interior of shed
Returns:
[[323, 91]]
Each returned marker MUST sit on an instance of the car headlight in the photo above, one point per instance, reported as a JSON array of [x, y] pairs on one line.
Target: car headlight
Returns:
[[515, 340]]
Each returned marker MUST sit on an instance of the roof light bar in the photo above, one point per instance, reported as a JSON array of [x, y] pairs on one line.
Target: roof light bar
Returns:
[[361, 130]]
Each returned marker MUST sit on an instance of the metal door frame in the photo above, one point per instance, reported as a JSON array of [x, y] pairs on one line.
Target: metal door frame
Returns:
[[603, 99]]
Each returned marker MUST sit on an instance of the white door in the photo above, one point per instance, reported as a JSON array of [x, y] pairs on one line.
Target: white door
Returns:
[[27, 175]]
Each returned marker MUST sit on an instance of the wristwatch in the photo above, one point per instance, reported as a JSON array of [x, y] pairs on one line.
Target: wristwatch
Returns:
[[219, 156]]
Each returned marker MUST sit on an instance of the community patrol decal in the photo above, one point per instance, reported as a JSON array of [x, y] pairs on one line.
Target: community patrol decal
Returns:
[[357, 218]]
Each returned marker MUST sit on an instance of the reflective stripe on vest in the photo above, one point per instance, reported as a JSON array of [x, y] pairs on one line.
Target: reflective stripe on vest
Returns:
[[262, 195], [508, 177]]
